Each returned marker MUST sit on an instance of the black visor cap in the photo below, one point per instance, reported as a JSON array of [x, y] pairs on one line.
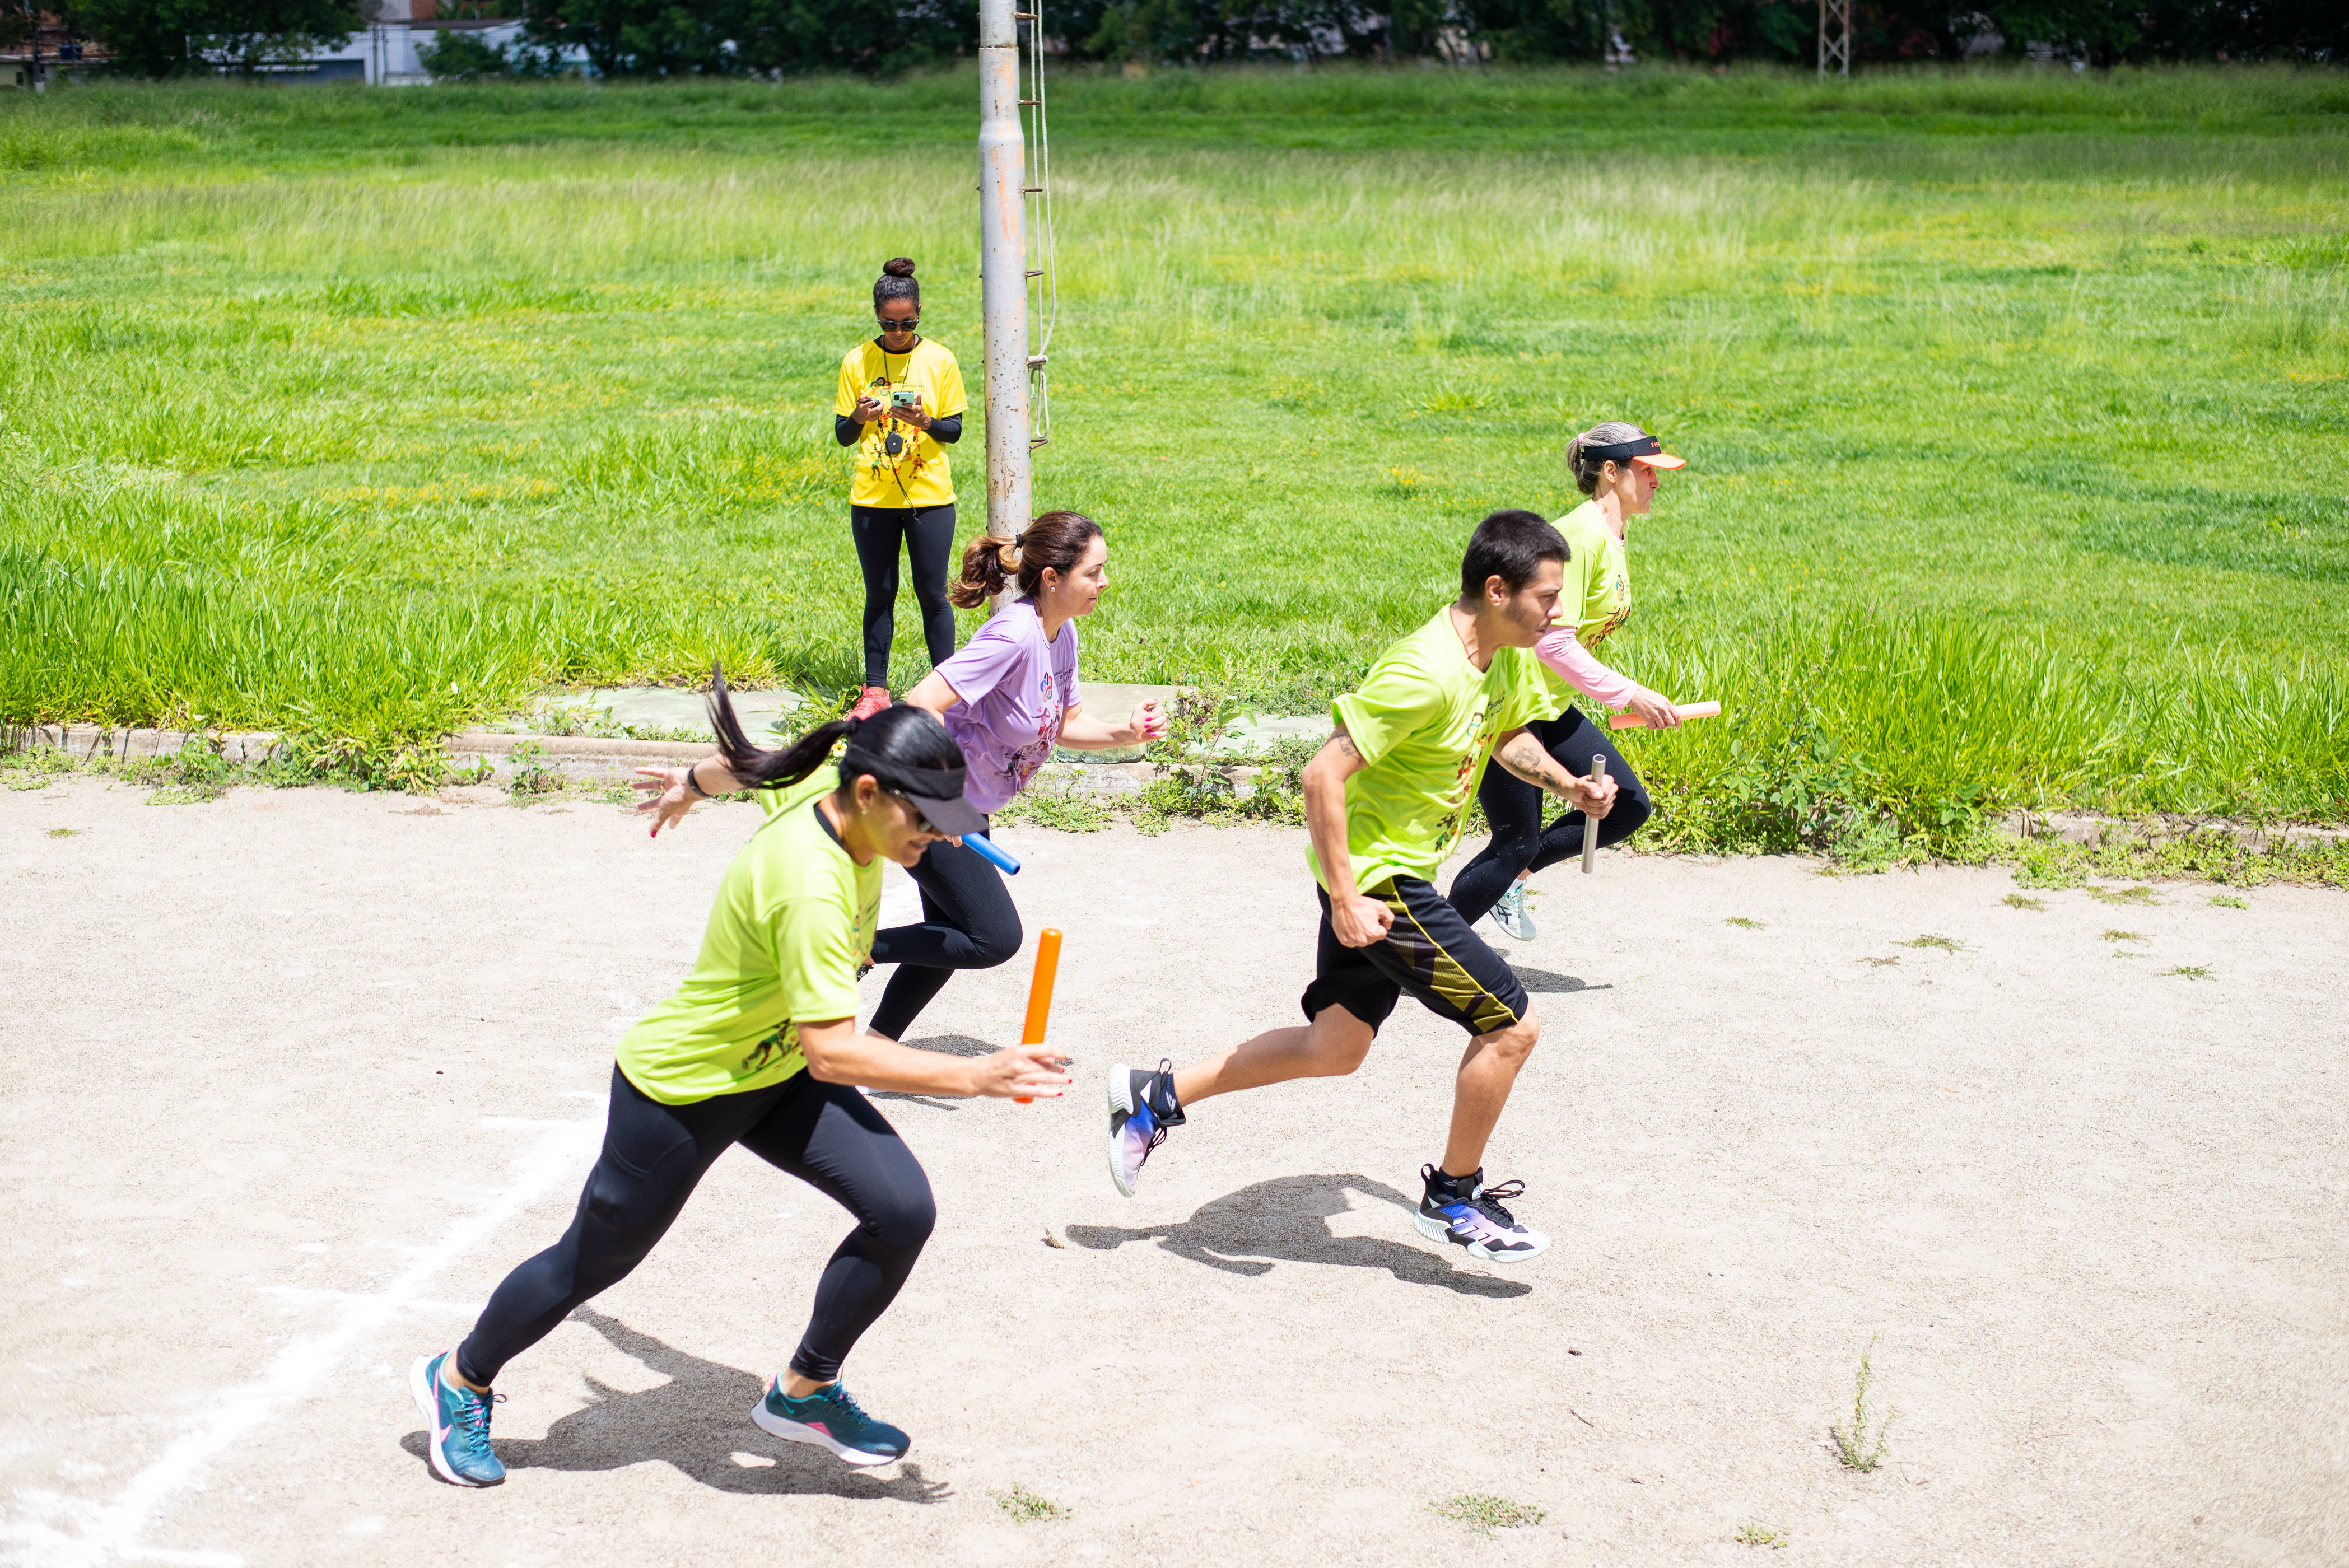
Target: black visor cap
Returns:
[[936, 792]]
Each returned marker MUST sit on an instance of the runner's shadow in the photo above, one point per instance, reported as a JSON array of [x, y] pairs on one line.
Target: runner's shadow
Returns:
[[1287, 1220], [697, 1421], [1543, 980], [948, 1045]]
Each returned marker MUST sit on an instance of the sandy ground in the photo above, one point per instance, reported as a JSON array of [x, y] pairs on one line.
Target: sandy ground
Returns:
[[295, 1076]]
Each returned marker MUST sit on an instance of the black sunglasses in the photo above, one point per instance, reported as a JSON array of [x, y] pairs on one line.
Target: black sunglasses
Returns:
[[921, 823], [908, 325]]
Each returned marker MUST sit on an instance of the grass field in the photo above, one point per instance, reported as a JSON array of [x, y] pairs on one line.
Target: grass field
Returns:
[[2014, 402]]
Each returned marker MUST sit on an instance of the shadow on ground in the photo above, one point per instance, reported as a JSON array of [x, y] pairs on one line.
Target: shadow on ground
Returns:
[[1547, 980], [697, 1421], [1287, 1220], [948, 1045]]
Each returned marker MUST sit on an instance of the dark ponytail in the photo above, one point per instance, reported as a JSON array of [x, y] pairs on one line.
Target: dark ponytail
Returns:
[[1058, 540], [897, 282], [904, 736]]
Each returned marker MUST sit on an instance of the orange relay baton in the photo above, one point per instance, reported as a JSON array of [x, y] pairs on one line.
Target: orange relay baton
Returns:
[[1039, 997]]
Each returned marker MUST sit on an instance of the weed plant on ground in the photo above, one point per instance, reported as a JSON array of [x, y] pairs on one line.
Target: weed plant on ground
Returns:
[[2012, 402]]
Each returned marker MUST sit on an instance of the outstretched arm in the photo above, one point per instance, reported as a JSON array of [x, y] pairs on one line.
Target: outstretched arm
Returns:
[[836, 1053], [1081, 731], [1523, 756], [668, 796]]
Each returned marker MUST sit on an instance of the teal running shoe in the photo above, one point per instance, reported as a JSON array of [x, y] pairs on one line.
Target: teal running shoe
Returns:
[[457, 1422], [830, 1419], [1510, 914]]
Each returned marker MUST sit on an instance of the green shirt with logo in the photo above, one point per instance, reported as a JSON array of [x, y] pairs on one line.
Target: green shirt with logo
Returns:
[[793, 921], [1424, 722]]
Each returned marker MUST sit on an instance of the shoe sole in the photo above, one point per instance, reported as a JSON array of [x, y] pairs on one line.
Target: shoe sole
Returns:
[[1526, 934], [797, 1432], [420, 1384], [1437, 1231], [1121, 1098]]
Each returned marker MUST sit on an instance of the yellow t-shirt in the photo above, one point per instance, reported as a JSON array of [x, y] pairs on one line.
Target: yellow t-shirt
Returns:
[[1598, 597], [795, 918], [919, 474], [1424, 722]]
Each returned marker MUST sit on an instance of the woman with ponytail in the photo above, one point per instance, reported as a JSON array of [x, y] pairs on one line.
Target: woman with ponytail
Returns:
[[1009, 698], [1617, 466], [760, 1047], [900, 404]]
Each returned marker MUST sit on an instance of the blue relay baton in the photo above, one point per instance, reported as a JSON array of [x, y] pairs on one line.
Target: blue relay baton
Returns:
[[988, 849]]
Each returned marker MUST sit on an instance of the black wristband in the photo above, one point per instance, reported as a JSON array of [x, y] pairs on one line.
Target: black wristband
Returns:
[[695, 784]]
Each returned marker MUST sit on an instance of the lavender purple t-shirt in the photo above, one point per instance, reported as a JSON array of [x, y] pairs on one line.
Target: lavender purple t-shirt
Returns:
[[1014, 689]]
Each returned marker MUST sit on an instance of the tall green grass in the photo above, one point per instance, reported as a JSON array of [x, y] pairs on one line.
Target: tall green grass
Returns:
[[2014, 403]]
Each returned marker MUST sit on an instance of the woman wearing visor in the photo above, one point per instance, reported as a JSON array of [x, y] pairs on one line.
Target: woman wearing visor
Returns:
[[760, 1047], [1616, 465]]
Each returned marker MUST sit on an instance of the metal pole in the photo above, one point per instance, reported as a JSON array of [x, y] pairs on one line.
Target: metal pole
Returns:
[[1003, 266]]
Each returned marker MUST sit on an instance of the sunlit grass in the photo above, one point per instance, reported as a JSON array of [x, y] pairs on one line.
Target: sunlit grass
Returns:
[[2014, 404]]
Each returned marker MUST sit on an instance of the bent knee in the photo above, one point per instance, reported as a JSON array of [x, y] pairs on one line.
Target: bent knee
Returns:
[[904, 1224], [998, 945], [1518, 1040]]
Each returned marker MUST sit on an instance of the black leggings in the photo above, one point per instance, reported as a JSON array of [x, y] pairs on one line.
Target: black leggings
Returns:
[[968, 922], [1513, 808], [927, 535], [827, 1135]]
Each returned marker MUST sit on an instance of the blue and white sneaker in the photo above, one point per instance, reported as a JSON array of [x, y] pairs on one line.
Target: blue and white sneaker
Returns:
[[829, 1417], [1468, 1213], [1142, 1107], [457, 1422], [1510, 914]]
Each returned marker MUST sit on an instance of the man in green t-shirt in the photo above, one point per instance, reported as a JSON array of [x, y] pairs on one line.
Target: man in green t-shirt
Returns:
[[1384, 801]]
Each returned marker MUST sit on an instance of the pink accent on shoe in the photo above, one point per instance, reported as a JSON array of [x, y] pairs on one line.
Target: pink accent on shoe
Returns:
[[873, 701]]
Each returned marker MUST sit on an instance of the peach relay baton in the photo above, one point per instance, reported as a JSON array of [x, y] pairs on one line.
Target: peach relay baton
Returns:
[[1686, 710]]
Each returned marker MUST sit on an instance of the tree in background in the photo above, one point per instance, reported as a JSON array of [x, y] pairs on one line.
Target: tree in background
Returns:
[[178, 37], [724, 37]]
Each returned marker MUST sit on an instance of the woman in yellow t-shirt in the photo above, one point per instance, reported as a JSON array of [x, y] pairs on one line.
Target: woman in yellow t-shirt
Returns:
[[760, 1047], [1616, 465], [900, 405]]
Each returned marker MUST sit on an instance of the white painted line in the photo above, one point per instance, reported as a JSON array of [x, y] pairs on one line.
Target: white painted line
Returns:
[[70, 1532]]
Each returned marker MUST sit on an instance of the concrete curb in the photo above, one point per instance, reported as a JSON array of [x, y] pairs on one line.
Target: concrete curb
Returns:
[[592, 755], [87, 742]]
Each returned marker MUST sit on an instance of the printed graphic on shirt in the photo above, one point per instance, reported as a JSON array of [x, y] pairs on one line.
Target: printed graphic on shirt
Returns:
[[900, 465], [1023, 764]]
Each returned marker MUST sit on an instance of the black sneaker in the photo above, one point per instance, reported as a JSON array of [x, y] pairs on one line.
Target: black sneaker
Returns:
[[1141, 1108], [1468, 1213]]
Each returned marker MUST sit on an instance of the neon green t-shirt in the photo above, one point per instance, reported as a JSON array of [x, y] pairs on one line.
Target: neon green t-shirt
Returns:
[[1424, 722], [793, 920], [1595, 601], [1597, 596]]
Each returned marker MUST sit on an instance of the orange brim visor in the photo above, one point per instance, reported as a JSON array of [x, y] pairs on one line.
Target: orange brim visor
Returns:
[[1663, 460]]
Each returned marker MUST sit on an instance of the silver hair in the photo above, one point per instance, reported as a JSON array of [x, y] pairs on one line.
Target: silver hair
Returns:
[[1613, 433]]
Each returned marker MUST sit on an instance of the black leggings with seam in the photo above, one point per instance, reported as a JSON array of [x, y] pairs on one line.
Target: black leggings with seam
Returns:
[[827, 1135], [1513, 808], [968, 921], [926, 536]]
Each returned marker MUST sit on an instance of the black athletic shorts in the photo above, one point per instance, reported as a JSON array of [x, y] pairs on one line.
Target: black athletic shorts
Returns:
[[1430, 952]]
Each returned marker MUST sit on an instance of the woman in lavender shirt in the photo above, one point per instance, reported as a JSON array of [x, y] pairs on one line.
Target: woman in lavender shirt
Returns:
[[1008, 698]]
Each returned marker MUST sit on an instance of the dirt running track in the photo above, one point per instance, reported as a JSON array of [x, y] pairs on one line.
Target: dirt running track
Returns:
[[295, 1076]]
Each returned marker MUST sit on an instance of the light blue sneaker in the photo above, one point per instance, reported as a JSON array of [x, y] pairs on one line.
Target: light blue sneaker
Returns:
[[1510, 914], [458, 1425], [830, 1416]]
